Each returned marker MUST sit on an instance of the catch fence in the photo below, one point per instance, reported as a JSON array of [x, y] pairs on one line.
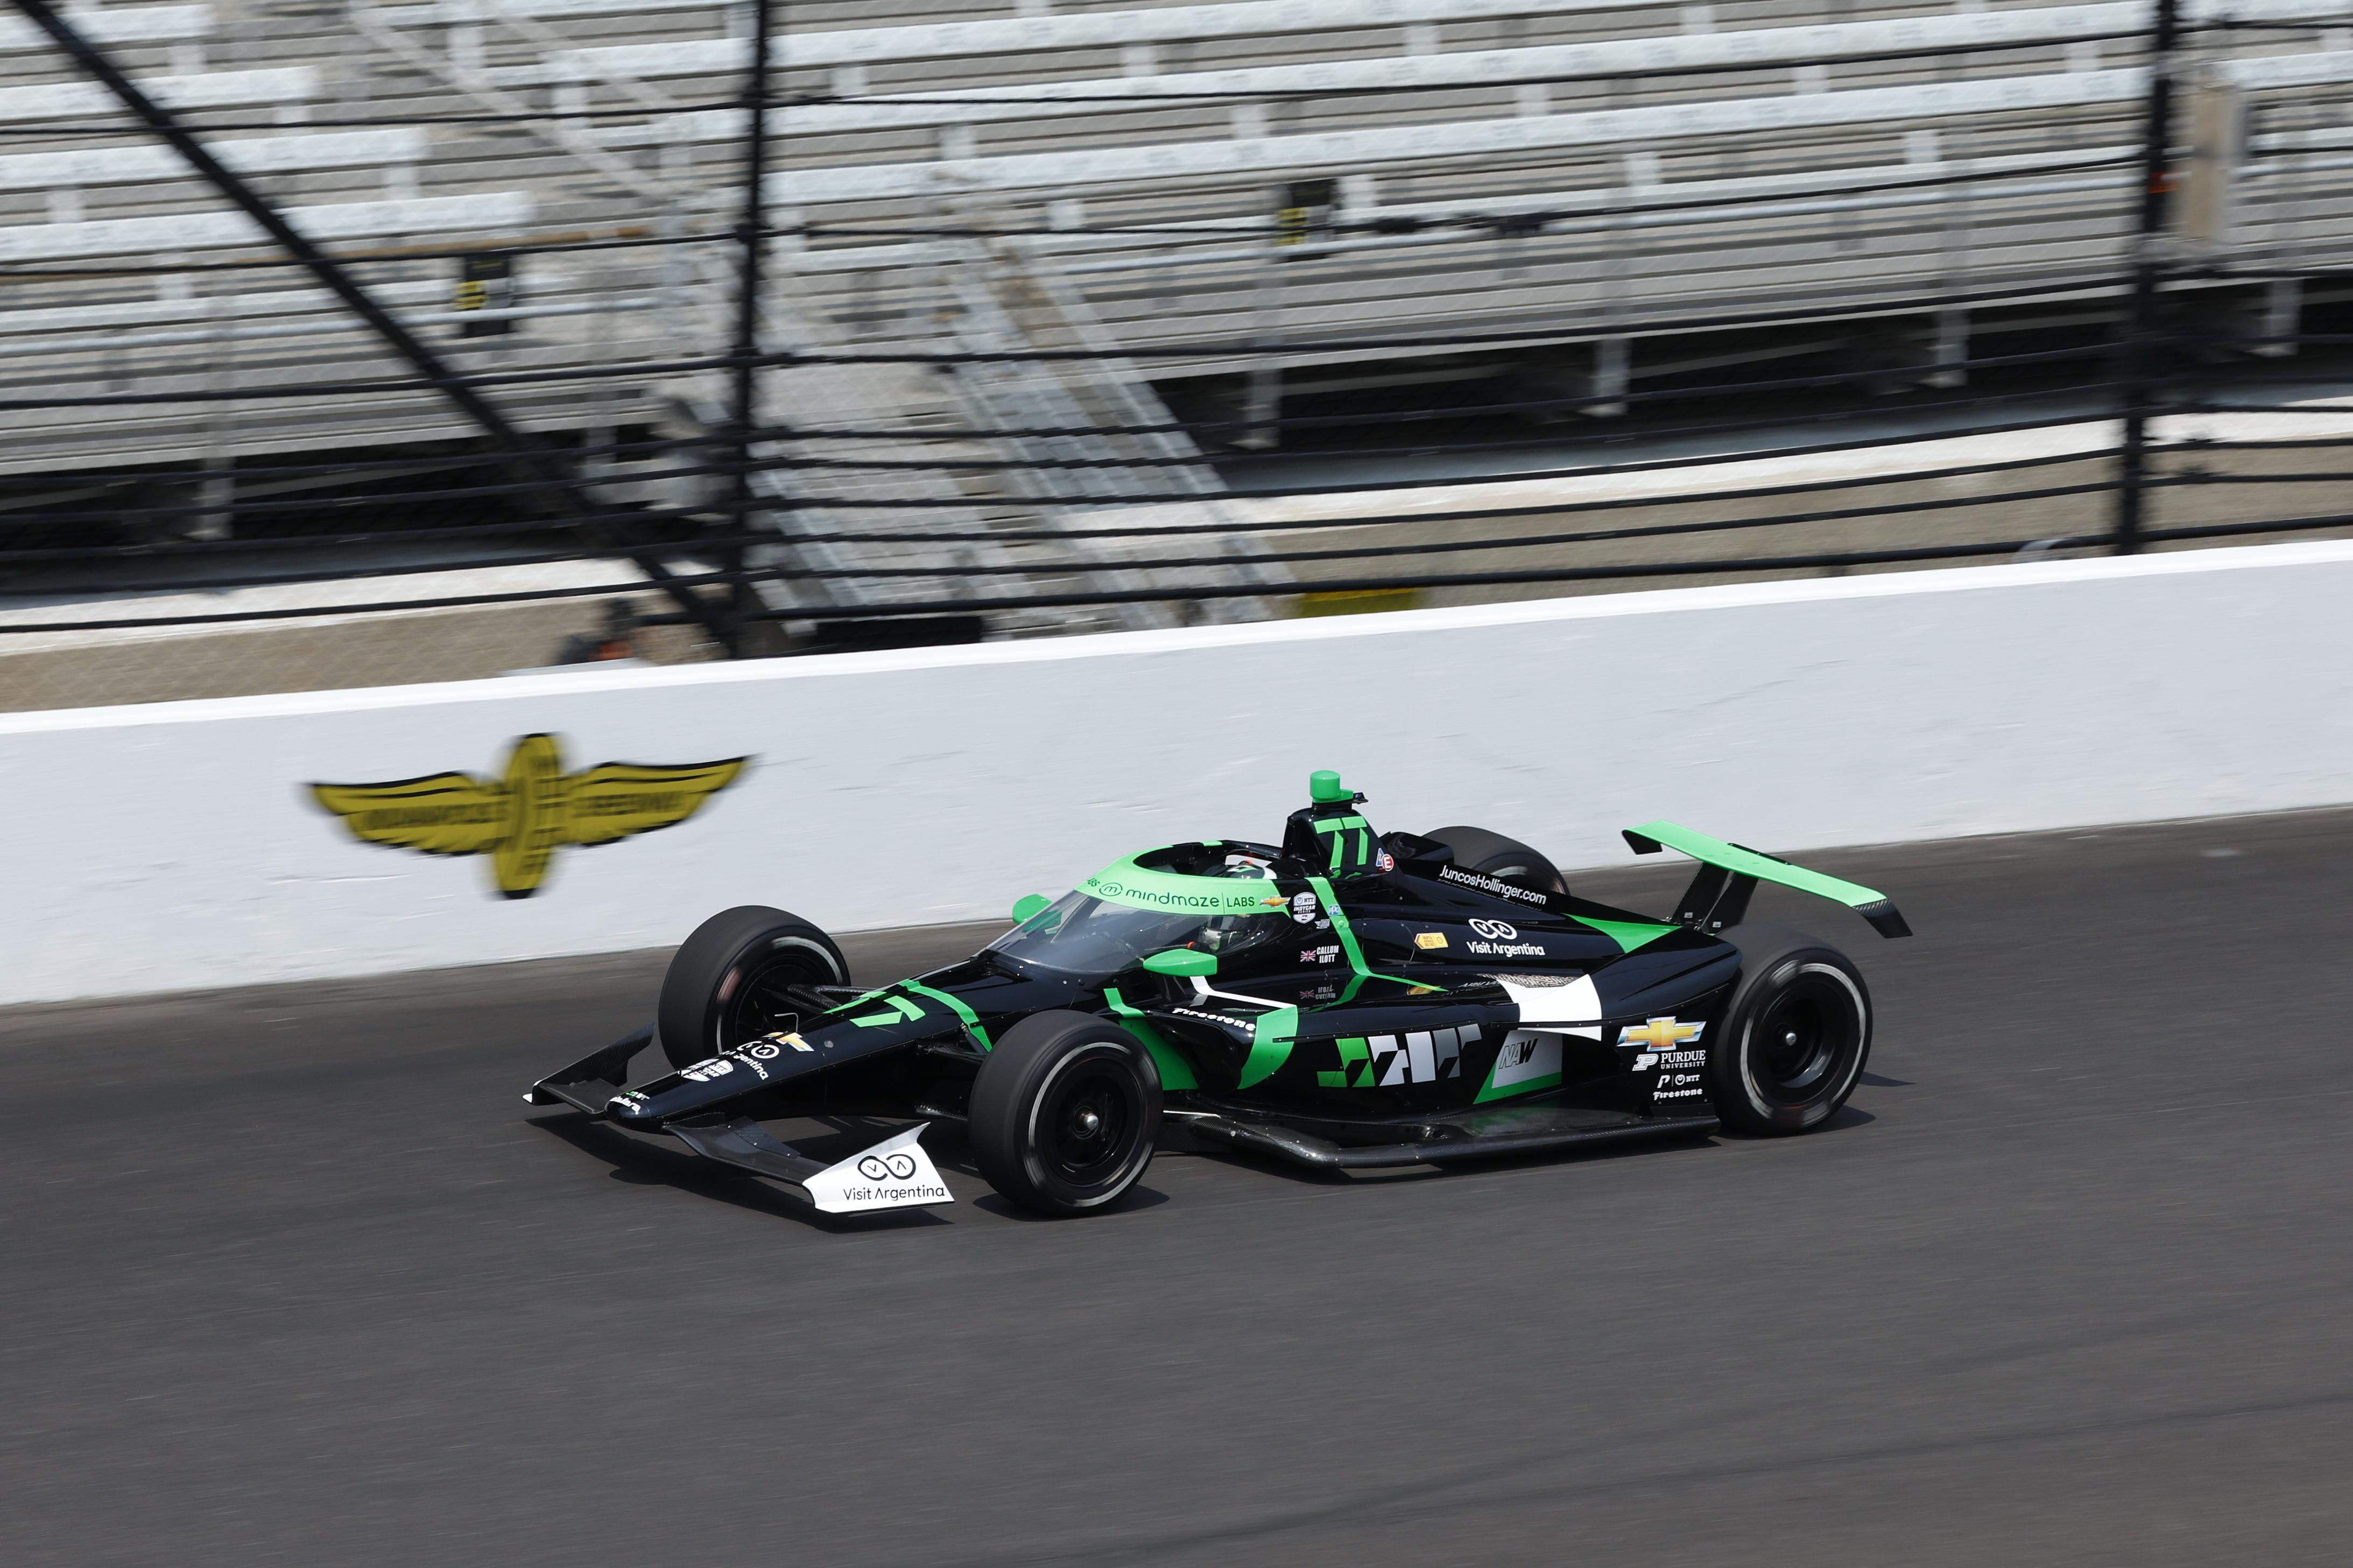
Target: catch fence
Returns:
[[1029, 344]]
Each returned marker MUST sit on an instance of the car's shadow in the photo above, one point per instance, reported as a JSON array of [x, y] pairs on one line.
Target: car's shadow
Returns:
[[1845, 1120], [951, 1150], [1134, 1200], [1848, 1118], [643, 1162], [1384, 1176]]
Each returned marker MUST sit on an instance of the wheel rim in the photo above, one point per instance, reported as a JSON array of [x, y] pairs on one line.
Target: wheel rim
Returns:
[[1087, 1121], [1801, 1039], [758, 1000]]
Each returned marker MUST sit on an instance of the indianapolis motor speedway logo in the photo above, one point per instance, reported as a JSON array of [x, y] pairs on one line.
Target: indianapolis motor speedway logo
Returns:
[[521, 819]]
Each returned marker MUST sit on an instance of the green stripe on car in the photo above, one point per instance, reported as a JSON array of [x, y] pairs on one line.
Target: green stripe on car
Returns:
[[907, 1012], [1628, 935], [1488, 1091], [1271, 1040], [1175, 1072], [1341, 929], [965, 1015]]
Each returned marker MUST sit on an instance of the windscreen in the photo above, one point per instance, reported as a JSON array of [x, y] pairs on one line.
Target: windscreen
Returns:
[[1087, 937]]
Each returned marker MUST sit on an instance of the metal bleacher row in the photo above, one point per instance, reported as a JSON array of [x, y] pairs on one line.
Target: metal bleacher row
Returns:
[[1062, 173], [1057, 139]]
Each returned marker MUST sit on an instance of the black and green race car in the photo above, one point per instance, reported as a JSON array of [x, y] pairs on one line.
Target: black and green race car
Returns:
[[1343, 999]]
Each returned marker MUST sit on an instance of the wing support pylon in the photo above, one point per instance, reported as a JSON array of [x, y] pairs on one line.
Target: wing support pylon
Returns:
[[1728, 873]]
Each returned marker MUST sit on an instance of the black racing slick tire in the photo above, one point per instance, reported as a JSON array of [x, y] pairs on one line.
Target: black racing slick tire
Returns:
[[1795, 1034], [1064, 1112], [1476, 849], [736, 977]]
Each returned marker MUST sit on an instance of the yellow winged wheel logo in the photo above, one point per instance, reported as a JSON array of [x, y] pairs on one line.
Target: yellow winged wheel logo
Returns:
[[520, 821]]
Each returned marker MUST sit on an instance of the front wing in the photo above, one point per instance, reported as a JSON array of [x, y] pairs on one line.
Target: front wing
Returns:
[[895, 1174]]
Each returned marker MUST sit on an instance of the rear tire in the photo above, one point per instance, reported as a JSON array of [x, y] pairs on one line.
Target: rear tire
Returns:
[[1795, 1036], [728, 982], [1064, 1112], [1476, 849]]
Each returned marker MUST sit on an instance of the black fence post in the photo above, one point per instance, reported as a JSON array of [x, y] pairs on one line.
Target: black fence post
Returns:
[[529, 459], [2143, 347], [742, 601]]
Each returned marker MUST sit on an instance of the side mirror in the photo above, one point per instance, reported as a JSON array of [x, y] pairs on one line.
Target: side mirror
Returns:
[[1182, 961], [1027, 908]]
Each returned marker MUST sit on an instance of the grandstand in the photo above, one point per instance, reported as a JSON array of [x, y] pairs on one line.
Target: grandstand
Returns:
[[1580, 194]]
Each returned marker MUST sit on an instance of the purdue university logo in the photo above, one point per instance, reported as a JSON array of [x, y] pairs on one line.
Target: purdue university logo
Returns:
[[520, 821]]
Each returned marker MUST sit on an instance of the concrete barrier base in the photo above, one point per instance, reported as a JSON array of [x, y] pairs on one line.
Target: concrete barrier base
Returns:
[[183, 845]]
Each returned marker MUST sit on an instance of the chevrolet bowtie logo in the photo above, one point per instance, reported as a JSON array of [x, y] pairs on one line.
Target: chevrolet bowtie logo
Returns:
[[522, 820], [1658, 1034]]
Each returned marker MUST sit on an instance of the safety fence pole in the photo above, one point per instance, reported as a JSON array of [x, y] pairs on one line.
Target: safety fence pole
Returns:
[[528, 458], [2143, 369], [743, 600]]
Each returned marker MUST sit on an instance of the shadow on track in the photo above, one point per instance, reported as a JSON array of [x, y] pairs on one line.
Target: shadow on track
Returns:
[[650, 1164], [1316, 1177]]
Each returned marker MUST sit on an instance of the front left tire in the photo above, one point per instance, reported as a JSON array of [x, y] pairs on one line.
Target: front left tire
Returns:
[[1064, 1112], [745, 973]]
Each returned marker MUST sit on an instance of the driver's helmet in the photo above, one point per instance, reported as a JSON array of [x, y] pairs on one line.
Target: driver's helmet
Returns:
[[1226, 935], [1229, 934]]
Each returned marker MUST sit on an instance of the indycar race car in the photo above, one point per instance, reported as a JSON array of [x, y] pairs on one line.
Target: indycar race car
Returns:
[[1342, 1000]]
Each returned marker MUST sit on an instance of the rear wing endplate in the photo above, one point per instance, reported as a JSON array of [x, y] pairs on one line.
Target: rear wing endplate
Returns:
[[1728, 874]]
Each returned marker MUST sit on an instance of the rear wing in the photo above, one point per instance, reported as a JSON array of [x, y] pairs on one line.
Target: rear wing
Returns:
[[1728, 873]]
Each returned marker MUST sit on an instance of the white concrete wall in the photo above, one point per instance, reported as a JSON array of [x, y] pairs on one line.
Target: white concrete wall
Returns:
[[175, 846]]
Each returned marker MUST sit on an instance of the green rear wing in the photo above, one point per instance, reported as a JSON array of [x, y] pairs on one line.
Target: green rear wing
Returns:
[[1728, 874]]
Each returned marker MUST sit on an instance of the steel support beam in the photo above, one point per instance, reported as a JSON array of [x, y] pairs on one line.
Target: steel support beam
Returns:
[[531, 463]]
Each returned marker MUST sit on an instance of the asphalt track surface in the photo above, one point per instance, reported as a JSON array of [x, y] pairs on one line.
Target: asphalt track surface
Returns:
[[293, 1276]]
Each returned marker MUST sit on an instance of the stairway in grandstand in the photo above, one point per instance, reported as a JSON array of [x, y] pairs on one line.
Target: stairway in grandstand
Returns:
[[1362, 180], [255, 332]]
